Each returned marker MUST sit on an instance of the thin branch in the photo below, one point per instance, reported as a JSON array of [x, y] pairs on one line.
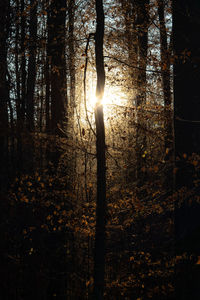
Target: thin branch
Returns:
[[187, 121], [131, 66], [115, 160]]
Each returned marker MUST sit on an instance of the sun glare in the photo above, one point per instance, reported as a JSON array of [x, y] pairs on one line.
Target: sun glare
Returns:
[[111, 97]]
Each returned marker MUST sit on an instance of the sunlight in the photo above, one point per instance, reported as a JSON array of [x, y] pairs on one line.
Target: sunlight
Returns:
[[112, 96]]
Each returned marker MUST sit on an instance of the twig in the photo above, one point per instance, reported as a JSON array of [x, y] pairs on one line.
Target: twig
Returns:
[[131, 66]]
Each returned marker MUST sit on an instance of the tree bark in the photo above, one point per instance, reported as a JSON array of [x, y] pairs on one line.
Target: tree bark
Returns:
[[100, 234]]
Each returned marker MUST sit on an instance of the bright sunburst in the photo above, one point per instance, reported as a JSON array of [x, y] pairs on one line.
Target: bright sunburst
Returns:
[[112, 96]]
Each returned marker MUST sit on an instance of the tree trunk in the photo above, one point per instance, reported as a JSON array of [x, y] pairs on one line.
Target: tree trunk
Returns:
[[129, 10], [71, 56], [31, 66], [165, 59], [130, 16], [47, 71], [19, 160], [23, 64], [58, 63], [17, 73], [142, 34], [4, 92], [165, 72], [186, 28], [99, 250]]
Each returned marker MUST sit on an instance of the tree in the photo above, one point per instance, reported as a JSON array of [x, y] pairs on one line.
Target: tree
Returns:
[[186, 46], [31, 78], [165, 55], [136, 18], [23, 63], [142, 37], [99, 250], [47, 71], [186, 81], [56, 51], [166, 86], [4, 87], [71, 11], [17, 72]]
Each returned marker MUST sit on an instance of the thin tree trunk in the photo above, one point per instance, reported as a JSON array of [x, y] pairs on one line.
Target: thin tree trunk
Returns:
[[42, 96], [130, 17], [100, 235], [31, 65], [165, 61], [58, 63], [142, 33], [4, 93], [31, 80], [47, 70], [71, 56], [19, 160], [165, 72], [17, 68], [23, 64]]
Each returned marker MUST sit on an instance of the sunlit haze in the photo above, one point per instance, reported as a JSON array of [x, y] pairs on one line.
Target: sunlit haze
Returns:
[[112, 96]]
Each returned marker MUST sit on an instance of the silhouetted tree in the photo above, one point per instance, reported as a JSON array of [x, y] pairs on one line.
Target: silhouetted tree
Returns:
[[186, 28], [56, 52], [186, 81], [142, 25], [4, 86], [31, 77], [71, 42], [99, 250]]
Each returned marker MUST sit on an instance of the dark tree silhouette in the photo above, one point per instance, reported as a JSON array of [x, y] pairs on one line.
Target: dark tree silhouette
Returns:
[[23, 74], [31, 65], [99, 251], [166, 86], [71, 11], [4, 88], [56, 53], [142, 25], [186, 28]]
